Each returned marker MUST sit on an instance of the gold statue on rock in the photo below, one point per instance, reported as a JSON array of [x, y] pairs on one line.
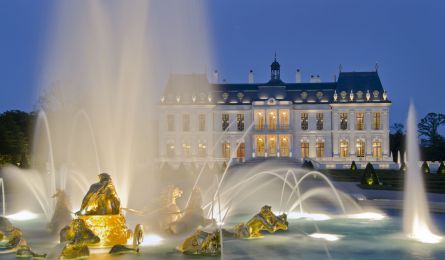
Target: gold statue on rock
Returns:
[[266, 220], [169, 210], [202, 243], [101, 213], [10, 236], [78, 236]]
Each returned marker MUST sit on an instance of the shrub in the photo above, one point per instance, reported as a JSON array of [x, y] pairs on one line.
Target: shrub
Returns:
[[441, 169], [425, 168], [369, 177], [353, 166]]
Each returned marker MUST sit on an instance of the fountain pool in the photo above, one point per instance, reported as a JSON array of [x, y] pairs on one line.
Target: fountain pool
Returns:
[[335, 238]]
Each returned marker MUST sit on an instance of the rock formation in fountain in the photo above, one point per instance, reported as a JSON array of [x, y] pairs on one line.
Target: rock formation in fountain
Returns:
[[417, 223], [138, 237], [24, 251], [265, 220]]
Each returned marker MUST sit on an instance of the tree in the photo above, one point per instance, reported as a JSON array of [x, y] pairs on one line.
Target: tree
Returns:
[[397, 140], [15, 130], [432, 142]]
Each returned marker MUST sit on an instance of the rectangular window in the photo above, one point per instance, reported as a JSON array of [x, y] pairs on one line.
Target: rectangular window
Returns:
[[225, 122], [304, 121], [284, 119], [272, 120], [377, 149], [376, 121], [344, 149], [343, 121], [186, 150], [360, 148], [240, 151], [360, 123], [272, 145], [259, 120], [202, 150], [226, 150], [319, 121], [240, 122], [185, 123], [260, 146], [284, 146], [319, 147], [202, 122], [305, 149], [170, 123]]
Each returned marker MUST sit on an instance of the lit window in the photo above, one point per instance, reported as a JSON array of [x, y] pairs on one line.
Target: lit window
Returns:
[[186, 150], [272, 145], [304, 121], [376, 120], [360, 121], [284, 146], [319, 147], [226, 150], [343, 121], [319, 121], [304, 149], [259, 120], [284, 119], [171, 123], [272, 120], [202, 122], [185, 123], [225, 121], [377, 149], [260, 146], [240, 151], [344, 149], [360, 152]]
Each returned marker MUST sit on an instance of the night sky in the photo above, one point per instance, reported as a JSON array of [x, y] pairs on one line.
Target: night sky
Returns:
[[406, 38]]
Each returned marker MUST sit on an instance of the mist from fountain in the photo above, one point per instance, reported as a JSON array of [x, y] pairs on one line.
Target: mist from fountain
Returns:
[[417, 222]]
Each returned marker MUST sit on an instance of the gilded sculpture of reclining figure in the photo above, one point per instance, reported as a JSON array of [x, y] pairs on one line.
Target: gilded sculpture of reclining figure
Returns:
[[202, 243], [266, 220]]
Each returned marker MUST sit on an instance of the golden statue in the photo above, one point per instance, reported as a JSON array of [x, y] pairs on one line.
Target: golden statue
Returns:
[[10, 236], [192, 217], [266, 220], [101, 213], [138, 237], [169, 210], [79, 236], [101, 198], [24, 251], [202, 243]]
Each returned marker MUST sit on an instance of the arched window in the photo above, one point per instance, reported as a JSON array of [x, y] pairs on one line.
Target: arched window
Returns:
[[377, 149], [226, 150], [360, 148], [304, 149], [319, 147]]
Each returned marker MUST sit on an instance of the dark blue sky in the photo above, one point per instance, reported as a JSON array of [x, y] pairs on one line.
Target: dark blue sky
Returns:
[[406, 38]]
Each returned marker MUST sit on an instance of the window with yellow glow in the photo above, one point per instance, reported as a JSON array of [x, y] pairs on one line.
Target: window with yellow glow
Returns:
[[360, 122], [260, 146], [202, 150], [226, 150], [272, 119], [240, 122], [284, 119], [319, 148], [240, 152], [186, 150], [304, 149], [376, 120], [259, 119], [284, 146], [272, 145], [360, 148], [377, 149], [344, 149], [319, 121], [304, 121], [170, 150], [343, 121]]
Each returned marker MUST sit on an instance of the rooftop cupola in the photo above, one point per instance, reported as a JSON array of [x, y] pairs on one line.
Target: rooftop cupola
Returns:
[[275, 70]]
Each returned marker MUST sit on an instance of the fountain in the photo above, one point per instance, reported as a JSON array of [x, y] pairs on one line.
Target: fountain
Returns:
[[417, 223]]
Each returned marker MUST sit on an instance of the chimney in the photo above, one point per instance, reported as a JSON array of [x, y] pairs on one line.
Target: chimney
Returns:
[[251, 77], [315, 79], [215, 76], [298, 76]]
